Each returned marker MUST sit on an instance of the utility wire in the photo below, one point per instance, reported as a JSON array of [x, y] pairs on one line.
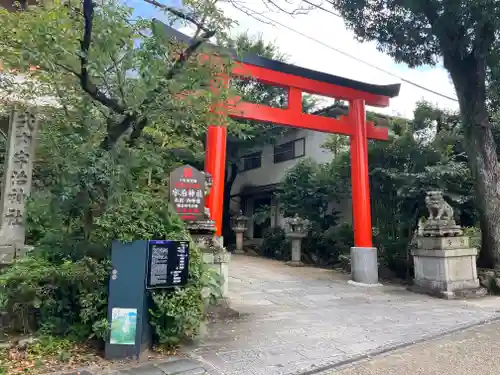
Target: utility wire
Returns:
[[274, 23]]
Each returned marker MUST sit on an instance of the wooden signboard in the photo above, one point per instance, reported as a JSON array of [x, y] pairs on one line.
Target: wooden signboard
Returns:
[[187, 193]]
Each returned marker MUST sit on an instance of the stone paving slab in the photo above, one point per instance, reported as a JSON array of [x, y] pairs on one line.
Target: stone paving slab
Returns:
[[169, 367], [300, 319], [473, 351]]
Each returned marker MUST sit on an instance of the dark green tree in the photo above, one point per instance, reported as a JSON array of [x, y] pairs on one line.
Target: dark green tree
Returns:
[[464, 36]]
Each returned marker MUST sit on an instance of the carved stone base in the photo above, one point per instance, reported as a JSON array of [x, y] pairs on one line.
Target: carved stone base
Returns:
[[448, 272], [295, 263], [214, 254], [442, 228], [456, 294]]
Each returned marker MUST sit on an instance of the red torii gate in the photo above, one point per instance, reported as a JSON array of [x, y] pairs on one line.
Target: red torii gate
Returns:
[[298, 80]]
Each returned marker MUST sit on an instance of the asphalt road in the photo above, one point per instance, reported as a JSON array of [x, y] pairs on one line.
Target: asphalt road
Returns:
[[474, 351]]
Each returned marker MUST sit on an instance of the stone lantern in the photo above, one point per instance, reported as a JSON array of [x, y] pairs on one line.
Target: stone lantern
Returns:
[[296, 229], [239, 226]]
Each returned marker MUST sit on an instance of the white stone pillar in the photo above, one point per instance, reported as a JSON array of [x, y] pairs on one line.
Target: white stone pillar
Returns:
[[239, 242], [296, 250], [16, 186], [296, 243]]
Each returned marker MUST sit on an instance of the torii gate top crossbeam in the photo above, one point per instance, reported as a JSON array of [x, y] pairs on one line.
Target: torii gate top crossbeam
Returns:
[[298, 80]]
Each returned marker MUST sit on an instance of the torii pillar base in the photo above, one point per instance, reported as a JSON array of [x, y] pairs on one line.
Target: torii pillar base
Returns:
[[364, 266]]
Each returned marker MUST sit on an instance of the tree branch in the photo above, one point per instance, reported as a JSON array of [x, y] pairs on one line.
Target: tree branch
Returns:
[[87, 85], [138, 121], [116, 131], [188, 52], [179, 14]]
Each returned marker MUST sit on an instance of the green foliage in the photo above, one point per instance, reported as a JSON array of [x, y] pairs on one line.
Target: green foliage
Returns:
[[274, 244], [404, 169], [419, 32], [103, 159], [51, 346], [65, 298], [329, 247], [177, 315], [426, 153], [246, 136], [464, 36], [128, 76], [308, 189]]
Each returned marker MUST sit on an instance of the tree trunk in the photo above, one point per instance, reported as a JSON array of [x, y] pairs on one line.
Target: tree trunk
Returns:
[[469, 77]]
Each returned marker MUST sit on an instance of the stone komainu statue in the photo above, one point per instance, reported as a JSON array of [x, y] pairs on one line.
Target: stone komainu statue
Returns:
[[438, 208]]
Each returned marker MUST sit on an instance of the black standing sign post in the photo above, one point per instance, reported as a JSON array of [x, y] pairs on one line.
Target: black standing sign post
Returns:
[[138, 266], [150, 264]]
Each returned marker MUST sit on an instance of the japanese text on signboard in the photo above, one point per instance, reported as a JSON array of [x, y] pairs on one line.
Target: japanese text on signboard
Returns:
[[187, 192]]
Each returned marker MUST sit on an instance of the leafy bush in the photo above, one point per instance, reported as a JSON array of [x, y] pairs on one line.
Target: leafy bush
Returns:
[[327, 248], [62, 288], [178, 314], [56, 298], [275, 245], [308, 189]]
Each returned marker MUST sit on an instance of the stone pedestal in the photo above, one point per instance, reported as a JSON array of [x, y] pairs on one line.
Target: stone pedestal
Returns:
[[213, 253], [16, 185], [296, 230], [446, 267], [364, 266], [239, 242], [239, 226], [444, 263], [219, 261], [296, 239]]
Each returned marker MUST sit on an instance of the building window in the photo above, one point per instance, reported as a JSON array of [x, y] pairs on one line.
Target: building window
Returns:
[[290, 150], [252, 161]]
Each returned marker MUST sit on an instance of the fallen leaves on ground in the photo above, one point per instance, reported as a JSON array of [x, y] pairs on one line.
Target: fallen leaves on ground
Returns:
[[14, 361]]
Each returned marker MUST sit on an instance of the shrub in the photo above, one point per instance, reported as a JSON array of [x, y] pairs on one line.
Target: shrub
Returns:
[[63, 287], [275, 245], [308, 189], [178, 314], [327, 248], [56, 298]]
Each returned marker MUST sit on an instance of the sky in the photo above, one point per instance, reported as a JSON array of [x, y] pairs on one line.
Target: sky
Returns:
[[330, 30]]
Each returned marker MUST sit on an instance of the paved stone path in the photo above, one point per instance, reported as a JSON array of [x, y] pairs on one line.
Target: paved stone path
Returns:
[[297, 320], [474, 351]]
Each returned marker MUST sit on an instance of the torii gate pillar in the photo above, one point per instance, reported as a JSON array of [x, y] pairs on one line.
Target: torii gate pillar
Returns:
[[364, 265]]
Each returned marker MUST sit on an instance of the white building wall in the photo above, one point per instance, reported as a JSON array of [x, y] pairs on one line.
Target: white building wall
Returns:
[[271, 173]]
